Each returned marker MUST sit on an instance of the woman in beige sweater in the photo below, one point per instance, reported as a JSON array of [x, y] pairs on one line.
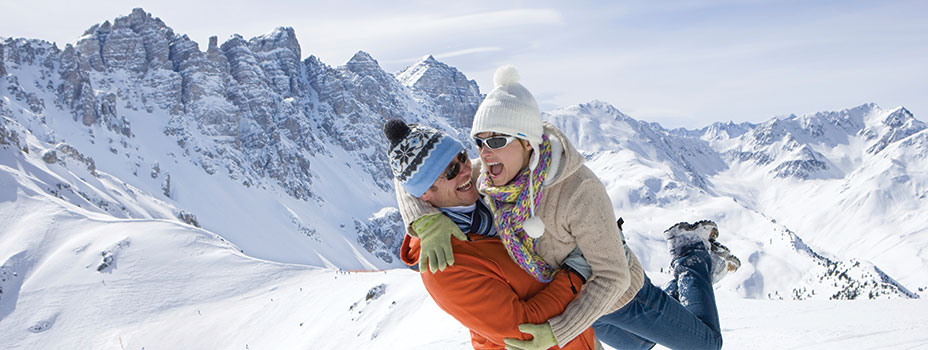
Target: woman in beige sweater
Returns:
[[546, 204]]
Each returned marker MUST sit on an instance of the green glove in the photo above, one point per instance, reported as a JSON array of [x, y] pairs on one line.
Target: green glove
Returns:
[[435, 231], [543, 338]]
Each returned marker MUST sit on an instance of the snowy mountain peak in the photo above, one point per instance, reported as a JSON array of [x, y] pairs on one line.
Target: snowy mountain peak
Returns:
[[601, 108], [153, 110], [598, 125], [861, 110], [285, 158], [279, 38], [362, 58], [362, 64], [890, 126], [595, 109], [901, 117], [429, 71], [719, 130], [137, 43], [139, 18], [438, 81], [806, 171]]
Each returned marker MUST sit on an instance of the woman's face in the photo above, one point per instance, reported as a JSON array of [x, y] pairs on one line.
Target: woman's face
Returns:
[[504, 164]]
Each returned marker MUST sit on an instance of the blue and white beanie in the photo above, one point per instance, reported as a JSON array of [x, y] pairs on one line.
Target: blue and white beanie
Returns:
[[418, 154]]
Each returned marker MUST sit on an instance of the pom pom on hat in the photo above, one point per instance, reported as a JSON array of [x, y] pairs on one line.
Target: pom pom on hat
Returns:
[[534, 227], [396, 130], [505, 75]]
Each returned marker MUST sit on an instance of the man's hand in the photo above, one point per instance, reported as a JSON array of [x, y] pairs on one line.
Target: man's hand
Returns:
[[543, 338], [435, 233]]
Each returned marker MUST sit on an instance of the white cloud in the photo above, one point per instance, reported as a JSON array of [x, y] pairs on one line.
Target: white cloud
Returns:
[[469, 51], [443, 55], [411, 26], [683, 63]]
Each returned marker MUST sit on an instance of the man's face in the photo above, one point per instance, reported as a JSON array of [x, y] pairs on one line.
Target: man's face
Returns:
[[458, 191]]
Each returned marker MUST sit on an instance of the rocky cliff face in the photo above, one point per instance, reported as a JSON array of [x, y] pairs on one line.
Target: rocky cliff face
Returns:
[[296, 144], [457, 96], [249, 109]]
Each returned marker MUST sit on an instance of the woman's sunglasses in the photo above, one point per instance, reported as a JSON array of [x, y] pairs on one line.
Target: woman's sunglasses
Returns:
[[494, 142], [455, 167]]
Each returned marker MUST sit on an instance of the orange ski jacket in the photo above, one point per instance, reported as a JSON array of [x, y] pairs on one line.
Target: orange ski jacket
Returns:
[[491, 295]]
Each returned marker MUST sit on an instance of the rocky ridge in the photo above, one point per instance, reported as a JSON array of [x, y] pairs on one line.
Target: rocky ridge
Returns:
[[249, 109]]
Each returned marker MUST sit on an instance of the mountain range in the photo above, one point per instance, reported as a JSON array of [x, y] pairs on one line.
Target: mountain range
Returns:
[[252, 148]]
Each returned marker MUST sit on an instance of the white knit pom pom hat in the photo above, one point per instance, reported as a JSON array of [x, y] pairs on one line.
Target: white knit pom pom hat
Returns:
[[510, 109]]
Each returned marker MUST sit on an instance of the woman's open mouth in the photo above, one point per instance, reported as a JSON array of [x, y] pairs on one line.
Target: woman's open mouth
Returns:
[[495, 169]]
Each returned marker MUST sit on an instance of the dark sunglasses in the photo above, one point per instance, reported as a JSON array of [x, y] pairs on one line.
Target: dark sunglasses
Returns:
[[494, 142], [455, 167]]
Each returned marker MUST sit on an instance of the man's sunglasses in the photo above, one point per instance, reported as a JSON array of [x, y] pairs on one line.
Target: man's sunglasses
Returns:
[[494, 142], [455, 167]]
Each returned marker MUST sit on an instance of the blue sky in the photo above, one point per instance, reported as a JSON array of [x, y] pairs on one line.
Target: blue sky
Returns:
[[679, 63]]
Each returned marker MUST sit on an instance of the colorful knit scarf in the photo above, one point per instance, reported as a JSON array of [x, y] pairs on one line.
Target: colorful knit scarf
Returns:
[[520, 246]]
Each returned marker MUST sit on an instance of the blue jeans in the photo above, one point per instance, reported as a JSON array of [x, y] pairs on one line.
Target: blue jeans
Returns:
[[683, 317]]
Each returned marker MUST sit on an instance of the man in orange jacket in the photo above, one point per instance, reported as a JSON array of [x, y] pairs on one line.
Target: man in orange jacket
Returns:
[[485, 289], [490, 295]]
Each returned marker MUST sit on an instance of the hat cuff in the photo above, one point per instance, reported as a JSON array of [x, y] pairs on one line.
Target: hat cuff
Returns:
[[433, 166], [483, 124]]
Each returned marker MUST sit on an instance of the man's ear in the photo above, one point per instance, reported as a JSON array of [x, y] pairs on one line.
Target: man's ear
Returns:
[[427, 196]]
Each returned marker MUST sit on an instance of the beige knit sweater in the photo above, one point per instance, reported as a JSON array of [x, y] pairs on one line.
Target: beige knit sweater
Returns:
[[577, 212]]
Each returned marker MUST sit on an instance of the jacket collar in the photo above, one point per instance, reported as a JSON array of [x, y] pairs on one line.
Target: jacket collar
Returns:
[[565, 159]]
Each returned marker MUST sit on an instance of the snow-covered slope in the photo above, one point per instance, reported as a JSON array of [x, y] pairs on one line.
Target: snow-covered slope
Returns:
[[73, 277], [821, 206], [83, 280], [854, 190], [154, 195], [283, 157]]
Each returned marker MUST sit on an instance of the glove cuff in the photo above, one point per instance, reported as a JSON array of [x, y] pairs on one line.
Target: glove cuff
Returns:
[[422, 223]]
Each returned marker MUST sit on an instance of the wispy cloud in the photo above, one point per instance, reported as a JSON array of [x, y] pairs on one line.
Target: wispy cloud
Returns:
[[398, 36], [444, 55], [679, 62], [411, 26]]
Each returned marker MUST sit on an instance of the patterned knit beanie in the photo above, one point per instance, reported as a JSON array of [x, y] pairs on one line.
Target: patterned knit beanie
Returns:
[[418, 154]]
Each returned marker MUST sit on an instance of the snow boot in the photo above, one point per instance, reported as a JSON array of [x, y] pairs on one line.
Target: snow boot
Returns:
[[723, 261], [682, 235]]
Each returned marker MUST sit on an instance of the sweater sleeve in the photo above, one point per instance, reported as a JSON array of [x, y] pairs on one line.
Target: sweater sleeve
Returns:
[[487, 304], [411, 208], [592, 223]]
